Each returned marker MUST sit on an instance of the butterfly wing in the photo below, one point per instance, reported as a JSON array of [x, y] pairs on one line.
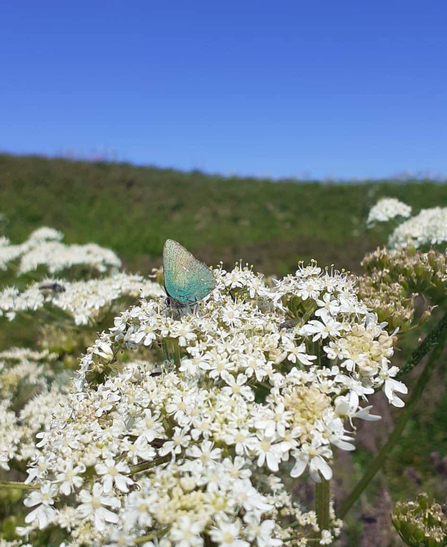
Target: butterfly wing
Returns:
[[187, 280]]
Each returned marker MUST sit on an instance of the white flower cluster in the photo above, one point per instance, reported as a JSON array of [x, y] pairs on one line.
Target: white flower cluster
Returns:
[[14, 543], [29, 393], [386, 209], [44, 248], [186, 446], [429, 227], [86, 301]]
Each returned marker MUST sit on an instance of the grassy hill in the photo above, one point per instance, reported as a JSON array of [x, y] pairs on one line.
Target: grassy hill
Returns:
[[134, 209]]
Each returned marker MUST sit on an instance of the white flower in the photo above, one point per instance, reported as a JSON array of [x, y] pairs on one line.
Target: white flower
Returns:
[[327, 304], [320, 330], [269, 452], [94, 507], [313, 455], [347, 406], [297, 352], [274, 421], [146, 335], [262, 533], [148, 426], [4, 459], [114, 474], [236, 386], [243, 440], [183, 331], [205, 452], [227, 534], [103, 349], [105, 401], [138, 509], [249, 498], [231, 314], [44, 513], [335, 433], [236, 468], [70, 478], [392, 386], [186, 532], [180, 440], [326, 538]]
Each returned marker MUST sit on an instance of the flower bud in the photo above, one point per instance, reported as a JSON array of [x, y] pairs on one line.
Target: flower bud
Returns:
[[420, 523]]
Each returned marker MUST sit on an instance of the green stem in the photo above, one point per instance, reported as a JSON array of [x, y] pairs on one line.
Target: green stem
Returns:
[[139, 468], [400, 426], [322, 504], [149, 537], [18, 485], [419, 353], [172, 350]]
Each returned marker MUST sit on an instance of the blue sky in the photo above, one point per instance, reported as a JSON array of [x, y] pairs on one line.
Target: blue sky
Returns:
[[286, 88]]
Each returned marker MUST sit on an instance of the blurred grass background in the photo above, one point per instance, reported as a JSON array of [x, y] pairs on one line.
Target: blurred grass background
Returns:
[[271, 224], [134, 209]]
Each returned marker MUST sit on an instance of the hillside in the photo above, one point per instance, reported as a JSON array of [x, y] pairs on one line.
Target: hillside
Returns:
[[134, 209]]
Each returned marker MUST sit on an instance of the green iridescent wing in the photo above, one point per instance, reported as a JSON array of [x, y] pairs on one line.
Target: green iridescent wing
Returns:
[[187, 280]]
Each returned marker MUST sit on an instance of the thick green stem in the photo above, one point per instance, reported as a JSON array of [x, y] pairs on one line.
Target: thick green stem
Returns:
[[18, 485], [400, 426], [322, 504]]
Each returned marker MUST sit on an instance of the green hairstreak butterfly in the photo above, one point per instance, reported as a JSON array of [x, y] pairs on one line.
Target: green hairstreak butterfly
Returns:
[[187, 280]]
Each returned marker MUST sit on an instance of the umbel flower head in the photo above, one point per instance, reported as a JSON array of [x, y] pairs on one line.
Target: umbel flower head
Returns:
[[183, 428], [395, 276], [386, 209], [427, 228], [44, 248], [421, 523]]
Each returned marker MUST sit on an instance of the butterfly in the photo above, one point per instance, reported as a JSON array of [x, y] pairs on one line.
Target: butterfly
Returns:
[[186, 279]]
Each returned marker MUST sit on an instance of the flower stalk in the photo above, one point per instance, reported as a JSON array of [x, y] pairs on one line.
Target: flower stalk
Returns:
[[322, 504], [15, 485]]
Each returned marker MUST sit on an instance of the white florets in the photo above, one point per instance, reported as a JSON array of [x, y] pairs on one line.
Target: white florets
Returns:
[[387, 209], [86, 301], [181, 446], [44, 248], [429, 227]]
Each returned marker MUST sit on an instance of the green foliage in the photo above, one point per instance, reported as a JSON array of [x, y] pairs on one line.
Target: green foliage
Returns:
[[134, 210]]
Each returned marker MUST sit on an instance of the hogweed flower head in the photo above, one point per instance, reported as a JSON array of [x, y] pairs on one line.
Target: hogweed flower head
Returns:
[[386, 209], [421, 522], [395, 276], [180, 426], [44, 247], [427, 228], [86, 301]]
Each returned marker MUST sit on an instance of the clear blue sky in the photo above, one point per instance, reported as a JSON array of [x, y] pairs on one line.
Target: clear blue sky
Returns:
[[328, 87]]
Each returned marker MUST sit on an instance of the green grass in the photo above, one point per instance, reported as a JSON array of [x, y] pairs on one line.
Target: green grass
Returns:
[[134, 209]]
